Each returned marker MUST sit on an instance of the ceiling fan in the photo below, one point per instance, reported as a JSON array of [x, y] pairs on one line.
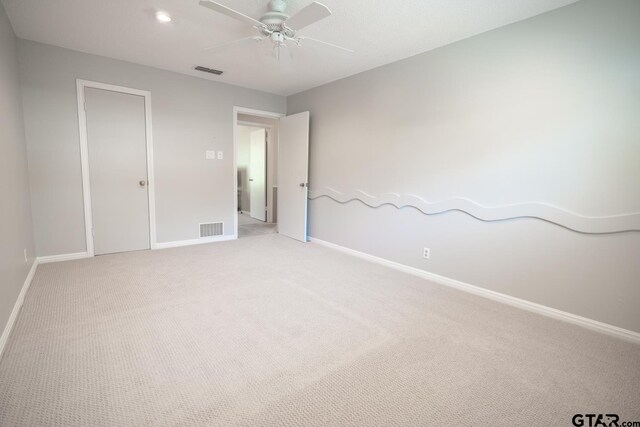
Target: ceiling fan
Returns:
[[275, 25]]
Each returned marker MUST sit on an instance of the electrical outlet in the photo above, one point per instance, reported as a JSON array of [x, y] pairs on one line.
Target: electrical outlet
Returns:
[[210, 155], [426, 253], [25, 256], [220, 155]]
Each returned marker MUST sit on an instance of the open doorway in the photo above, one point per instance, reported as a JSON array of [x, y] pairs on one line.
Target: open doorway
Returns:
[[256, 170]]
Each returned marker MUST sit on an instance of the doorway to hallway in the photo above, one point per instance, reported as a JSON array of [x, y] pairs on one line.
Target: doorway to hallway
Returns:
[[248, 226], [256, 174]]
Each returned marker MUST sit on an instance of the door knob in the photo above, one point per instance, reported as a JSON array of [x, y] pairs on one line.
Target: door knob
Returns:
[[250, 179], [142, 183], [303, 184]]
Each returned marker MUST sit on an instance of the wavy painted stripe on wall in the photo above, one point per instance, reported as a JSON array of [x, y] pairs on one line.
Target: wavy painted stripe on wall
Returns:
[[542, 211]]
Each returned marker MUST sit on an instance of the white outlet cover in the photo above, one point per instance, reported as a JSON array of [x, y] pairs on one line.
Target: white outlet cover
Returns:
[[220, 155], [210, 155]]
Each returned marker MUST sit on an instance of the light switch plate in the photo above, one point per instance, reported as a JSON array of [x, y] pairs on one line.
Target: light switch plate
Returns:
[[220, 155], [210, 155]]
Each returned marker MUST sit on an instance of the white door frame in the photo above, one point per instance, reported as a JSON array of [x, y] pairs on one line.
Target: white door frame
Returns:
[[84, 157], [252, 112]]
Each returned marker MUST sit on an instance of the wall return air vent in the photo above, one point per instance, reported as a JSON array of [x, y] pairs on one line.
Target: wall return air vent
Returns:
[[211, 229], [208, 70]]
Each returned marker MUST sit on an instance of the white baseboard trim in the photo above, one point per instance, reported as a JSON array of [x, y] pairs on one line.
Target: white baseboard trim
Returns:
[[179, 243], [163, 245], [16, 307], [63, 257], [594, 325]]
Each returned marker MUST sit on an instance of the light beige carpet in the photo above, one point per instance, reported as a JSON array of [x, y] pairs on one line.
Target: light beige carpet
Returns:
[[299, 336], [248, 226]]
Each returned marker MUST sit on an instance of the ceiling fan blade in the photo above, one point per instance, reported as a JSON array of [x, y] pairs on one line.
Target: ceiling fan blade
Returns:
[[327, 44], [307, 16], [217, 7], [246, 40]]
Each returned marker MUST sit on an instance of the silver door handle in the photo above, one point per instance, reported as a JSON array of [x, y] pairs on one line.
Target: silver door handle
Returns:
[[142, 183]]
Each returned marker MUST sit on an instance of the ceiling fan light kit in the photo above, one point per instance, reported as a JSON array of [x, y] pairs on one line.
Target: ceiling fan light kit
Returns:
[[275, 25]]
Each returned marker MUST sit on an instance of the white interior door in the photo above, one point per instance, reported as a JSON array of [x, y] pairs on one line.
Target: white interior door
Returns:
[[116, 141], [258, 174], [293, 172]]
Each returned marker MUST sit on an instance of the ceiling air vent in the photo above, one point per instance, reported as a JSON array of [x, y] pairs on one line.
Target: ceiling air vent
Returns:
[[208, 70], [211, 229]]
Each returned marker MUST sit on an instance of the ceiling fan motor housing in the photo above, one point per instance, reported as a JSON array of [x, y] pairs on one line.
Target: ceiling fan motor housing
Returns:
[[275, 18], [278, 5]]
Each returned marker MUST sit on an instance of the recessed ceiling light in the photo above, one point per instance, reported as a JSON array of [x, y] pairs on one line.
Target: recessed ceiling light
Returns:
[[163, 17]]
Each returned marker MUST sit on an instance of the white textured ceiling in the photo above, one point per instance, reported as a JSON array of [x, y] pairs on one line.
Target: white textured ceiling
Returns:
[[380, 31]]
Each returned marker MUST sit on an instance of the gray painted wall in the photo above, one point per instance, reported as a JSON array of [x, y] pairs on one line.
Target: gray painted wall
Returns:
[[190, 115], [545, 110], [15, 211]]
